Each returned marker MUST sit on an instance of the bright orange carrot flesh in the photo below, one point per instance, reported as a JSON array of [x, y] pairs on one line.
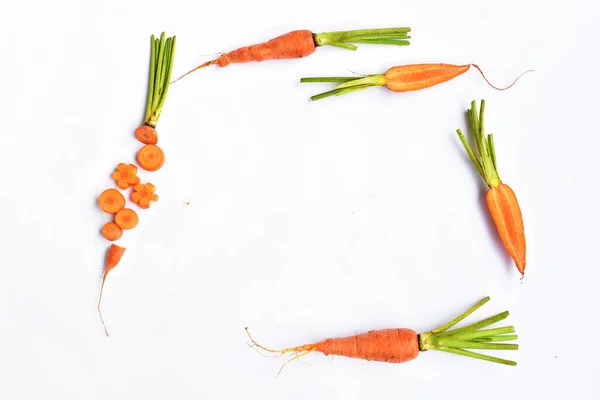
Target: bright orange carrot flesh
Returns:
[[111, 231], [126, 218], [126, 175], [151, 157], [146, 134], [111, 201]]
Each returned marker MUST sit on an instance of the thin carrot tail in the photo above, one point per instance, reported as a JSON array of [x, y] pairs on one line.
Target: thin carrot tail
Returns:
[[495, 87], [99, 302], [300, 350], [206, 64]]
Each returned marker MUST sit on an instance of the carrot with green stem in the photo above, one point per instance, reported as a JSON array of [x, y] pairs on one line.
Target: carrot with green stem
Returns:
[[399, 345], [501, 200], [403, 78], [302, 43], [162, 56]]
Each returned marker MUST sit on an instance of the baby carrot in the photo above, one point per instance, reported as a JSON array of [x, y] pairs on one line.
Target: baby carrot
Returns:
[[111, 231], [115, 253], [402, 78], [302, 43], [111, 201], [501, 200], [398, 345], [126, 219]]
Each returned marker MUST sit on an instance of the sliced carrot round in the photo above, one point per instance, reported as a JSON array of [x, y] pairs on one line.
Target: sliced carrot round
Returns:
[[111, 231], [146, 134], [126, 219], [111, 201], [151, 157]]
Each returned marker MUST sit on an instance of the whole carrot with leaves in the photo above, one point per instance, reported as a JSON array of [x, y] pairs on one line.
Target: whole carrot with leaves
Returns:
[[399, 345], [501, 200], [401, 78], [302, 43]]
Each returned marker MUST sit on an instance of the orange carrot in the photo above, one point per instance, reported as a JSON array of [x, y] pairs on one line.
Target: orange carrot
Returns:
[[398, 345], [111, 201], [402, 78], [111, 231], [151, 157], [126, 175], [500, 198], [146, 134], [302, 43], [126, 218], [115, 253], [144, 194]]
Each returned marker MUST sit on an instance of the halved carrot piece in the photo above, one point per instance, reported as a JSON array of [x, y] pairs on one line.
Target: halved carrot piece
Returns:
[[126, 219], [151, 157], [111, 201], [146, 134], [111, 231]]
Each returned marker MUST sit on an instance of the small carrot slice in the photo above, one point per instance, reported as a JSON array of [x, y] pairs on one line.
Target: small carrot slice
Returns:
[[151, 157], [111, 231], [126, 219], [126, 175], [111, 201], [146, 134]]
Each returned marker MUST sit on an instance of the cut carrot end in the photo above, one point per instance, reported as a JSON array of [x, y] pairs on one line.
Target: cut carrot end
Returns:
[[151, 157], [111, 201], [146, 134]]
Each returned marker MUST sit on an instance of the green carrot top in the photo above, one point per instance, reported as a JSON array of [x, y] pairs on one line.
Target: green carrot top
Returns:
[[342, 39], [161, 64], [485, 159]]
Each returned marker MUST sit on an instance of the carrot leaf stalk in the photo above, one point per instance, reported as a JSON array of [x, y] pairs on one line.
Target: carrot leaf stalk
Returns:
[[348, 84], [471, 337], [161, 64], [343, 39], [485, 158]]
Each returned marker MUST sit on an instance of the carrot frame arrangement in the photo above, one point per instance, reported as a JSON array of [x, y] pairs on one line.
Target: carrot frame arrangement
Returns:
[[150, 157], [398, 345], [501, 200], [302, 43]]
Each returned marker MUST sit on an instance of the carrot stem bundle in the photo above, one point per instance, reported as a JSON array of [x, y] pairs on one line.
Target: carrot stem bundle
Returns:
[[398, 345], [500, 198], [302, 43], [161, 65], [401, 78]]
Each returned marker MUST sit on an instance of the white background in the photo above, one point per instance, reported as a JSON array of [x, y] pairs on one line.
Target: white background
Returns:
[[306, 220]]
